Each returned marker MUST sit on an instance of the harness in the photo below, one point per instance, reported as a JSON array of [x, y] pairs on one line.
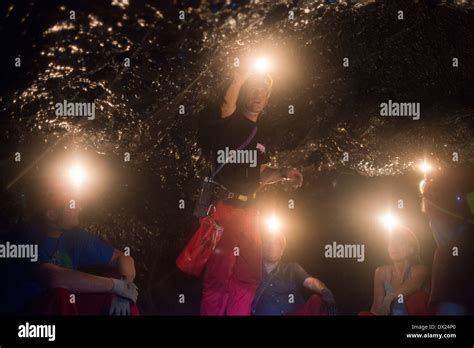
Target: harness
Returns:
[[232, 195], [213, 190], [228, 193]]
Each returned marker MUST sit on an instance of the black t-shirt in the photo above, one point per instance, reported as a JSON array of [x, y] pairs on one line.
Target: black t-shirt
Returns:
[[241, 173], [283, 293]]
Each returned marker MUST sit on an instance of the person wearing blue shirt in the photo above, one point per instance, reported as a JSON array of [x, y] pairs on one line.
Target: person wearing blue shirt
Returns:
[[280, 292], [65, 251]]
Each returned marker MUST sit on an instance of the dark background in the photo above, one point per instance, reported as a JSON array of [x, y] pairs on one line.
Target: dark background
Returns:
[[176, 63]]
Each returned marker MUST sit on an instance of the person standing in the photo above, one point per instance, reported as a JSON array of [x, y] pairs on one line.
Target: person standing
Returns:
[[233, 272]]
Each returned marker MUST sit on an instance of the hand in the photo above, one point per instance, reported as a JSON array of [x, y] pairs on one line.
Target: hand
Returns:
[[385, 308], [295, 176], [330, 301], [125, 289], [120, 306], [327, 296], [241, 75]]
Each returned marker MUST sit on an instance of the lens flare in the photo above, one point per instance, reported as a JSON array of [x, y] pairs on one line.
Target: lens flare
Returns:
[[389, 221], [262, 65], [273, 224], [77, 175], [425, 167]]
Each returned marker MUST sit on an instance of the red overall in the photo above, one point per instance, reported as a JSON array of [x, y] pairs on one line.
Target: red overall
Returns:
[[58, 302], [234, 271], [314, 306]]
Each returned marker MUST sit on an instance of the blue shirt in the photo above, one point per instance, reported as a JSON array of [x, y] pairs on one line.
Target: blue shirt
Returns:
[[74, 249], [280, 290]]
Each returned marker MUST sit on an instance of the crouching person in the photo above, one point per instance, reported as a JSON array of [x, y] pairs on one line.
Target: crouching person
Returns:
[[280, 292], [399, 287], [64, 250]]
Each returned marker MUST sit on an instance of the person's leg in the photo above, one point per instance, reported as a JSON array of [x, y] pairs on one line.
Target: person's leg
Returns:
[[241, 296], [134, 311], [450, 308], [220, 264], [61, 302], [315, 306], [57, 301], [99, 304], [248, 267], [247, 272], [418, 304], [213, 299]]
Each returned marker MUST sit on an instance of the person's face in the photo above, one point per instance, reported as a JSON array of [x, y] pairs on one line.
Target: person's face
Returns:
[[65, 218], [272, 249], [256, 97], [399, 250]]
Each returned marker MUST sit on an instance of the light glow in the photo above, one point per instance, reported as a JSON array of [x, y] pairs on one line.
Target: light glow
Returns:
[[273, 224], [389, 221], [262, 65], [77, 175], [425, 167]]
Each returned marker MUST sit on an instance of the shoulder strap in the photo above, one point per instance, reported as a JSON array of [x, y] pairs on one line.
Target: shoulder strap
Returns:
[[242, 146], [388, 274], [387, 279]]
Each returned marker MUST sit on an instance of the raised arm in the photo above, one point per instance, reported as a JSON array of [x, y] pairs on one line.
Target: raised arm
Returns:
[[232, 95], [271, 175]]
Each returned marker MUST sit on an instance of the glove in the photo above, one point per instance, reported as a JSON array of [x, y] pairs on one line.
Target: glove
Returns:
[[125, 289], [120, 306]]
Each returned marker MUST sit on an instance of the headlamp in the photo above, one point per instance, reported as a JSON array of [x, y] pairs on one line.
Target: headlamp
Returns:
[[273, 224], [262, 65], [389, 221]]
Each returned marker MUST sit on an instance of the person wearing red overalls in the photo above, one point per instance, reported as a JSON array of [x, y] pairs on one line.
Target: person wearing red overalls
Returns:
[[233, 272]]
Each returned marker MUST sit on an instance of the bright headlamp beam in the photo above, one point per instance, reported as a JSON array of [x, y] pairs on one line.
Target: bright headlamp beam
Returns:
[[425, 167], [77, 175], [273, 224], [262, 65], [389, 221]]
